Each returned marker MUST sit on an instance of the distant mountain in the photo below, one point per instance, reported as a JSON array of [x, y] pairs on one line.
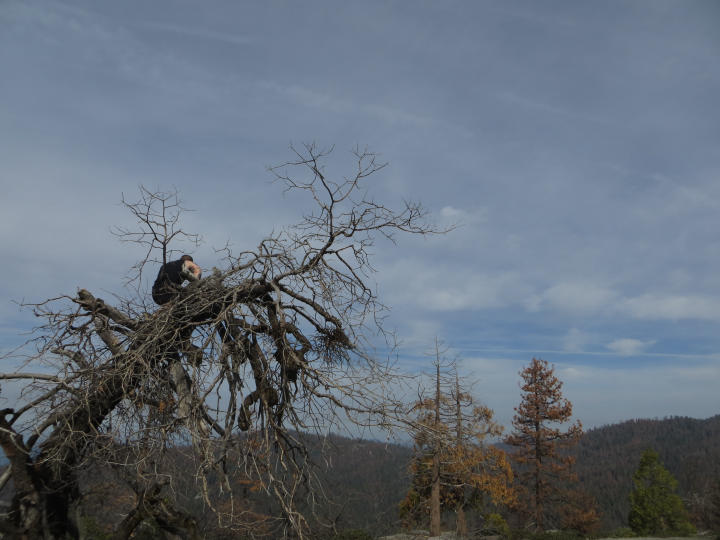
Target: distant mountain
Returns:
[[363, 483], [370, 478], [608, 456], [366, 480]]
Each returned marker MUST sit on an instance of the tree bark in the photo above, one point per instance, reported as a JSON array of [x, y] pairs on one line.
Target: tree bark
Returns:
[[435, 498], [461, 525], [461, 522], [435, 492]]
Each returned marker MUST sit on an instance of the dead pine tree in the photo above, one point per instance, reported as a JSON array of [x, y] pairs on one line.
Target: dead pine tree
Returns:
[[454, 469], [231, 373], [545, 467]]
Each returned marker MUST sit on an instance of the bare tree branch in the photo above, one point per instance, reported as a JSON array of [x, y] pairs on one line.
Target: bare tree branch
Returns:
[[239, 365]]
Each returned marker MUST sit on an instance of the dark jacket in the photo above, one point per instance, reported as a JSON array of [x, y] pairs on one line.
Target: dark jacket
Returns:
[[168, 282]]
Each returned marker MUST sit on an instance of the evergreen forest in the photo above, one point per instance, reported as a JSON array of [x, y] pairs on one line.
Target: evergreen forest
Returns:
[[366, 480]]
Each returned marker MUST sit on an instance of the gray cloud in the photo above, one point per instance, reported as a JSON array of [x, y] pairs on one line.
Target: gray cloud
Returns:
[[628, 346], [575, 144]]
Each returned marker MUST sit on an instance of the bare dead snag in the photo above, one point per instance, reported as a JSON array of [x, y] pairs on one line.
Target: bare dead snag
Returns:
[[239, 366]]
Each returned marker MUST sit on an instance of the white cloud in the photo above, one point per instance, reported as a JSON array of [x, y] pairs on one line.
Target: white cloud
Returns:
[[629, 346], [532, 103], [463, 217], [342, 105], [452, 213], [674, 307], [588, 298], [575, 340], [605, 394], [411, 282], [232, 39], [571, 373], [418, 334], [574, 297]]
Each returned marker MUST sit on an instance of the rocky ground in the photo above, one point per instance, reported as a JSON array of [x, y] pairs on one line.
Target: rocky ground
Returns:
[[449, 535], [424, 535]]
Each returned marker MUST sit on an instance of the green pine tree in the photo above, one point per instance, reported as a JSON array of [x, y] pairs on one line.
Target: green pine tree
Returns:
[[655, 508]]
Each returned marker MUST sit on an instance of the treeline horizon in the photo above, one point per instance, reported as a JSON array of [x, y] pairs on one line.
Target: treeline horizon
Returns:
[[367, 479]]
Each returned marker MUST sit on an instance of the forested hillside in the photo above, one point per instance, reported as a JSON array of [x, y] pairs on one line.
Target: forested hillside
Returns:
[[366, 479], [363, 482], [370, 476], [608, 456]]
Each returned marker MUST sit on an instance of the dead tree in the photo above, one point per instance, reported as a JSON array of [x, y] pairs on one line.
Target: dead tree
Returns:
[[453, 467], [237, 368]]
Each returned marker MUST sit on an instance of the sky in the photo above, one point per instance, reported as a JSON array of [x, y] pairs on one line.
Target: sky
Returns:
[[576, 146]]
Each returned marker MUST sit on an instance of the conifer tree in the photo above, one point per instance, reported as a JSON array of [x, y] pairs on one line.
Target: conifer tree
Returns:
[[655, 508], [453, 468], [544, 469]]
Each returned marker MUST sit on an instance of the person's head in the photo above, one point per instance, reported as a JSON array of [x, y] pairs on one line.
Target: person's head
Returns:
[[190, 270]]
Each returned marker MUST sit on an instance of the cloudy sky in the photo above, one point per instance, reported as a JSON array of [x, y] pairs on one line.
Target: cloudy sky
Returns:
[[577, 145]]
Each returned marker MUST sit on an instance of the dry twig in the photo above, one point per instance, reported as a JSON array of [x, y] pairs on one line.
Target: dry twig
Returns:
[[240, 365]]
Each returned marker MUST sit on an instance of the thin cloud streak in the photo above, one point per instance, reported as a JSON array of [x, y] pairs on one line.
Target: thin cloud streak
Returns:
[[575, 146], [609, 354], [232, 39]]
